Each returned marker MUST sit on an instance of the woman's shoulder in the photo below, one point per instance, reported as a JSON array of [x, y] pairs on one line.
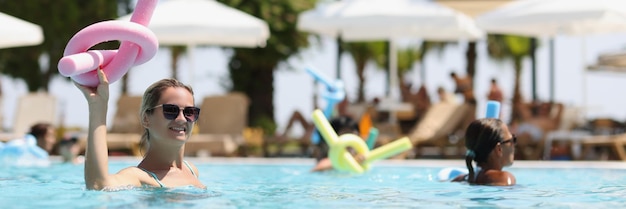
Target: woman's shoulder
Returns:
[[135, 174], [323, 165], [497, 178]]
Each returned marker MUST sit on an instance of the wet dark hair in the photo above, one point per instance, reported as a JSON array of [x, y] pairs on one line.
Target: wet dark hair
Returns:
[[341, 124], [481, 137], [39, 130], [344, 124]]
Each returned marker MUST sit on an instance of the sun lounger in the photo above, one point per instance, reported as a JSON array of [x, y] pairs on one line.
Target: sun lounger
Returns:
[[440, 121], [126, 129], [32, 108], [615, 144], [220, 126], [567, 132], [274, 146]]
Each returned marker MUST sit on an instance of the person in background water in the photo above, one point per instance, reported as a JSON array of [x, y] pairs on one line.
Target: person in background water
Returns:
[[70, 150], [45, 134], [167, 114], [491, 145], [341, 125]]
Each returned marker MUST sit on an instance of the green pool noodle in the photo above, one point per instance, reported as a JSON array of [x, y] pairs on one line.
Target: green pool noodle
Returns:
[[371, 138], [388, 150]]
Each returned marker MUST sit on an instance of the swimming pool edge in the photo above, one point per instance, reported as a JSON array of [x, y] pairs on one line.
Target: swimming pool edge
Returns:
[[397, 162]]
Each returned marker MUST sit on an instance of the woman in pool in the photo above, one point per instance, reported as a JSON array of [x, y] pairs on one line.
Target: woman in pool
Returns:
[[490, 143], [167, 114], [45, 134], [341, 125]]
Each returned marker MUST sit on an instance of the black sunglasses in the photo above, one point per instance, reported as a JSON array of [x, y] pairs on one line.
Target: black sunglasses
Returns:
[[171, 112], [512, 139]]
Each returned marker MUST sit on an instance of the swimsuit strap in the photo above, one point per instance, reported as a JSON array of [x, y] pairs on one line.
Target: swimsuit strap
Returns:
[[157, 179], [153, 176], [188, 166]]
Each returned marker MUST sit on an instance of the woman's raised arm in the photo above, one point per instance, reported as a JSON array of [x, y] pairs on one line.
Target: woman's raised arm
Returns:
[[96, 154]]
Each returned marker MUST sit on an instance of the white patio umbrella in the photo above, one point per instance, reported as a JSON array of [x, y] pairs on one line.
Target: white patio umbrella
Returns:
[[370, 20], [553, 17], [548, 18], [205, 22], [15, 32]]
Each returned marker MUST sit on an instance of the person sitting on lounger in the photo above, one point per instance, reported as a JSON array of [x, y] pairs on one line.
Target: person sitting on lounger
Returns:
[[533, 122], [491, 145], [464, 87]]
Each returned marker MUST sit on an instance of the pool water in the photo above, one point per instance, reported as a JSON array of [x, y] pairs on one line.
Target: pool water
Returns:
[[289, 184]]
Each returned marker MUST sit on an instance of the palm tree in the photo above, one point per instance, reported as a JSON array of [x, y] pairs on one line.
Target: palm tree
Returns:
[[175, 53], [362, 53], [515, 48], [252, 69]]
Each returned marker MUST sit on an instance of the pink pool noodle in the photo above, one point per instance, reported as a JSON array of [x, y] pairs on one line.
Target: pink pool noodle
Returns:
[[138, 46]]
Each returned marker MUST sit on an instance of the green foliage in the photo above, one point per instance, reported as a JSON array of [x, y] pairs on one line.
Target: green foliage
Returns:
[[281, 16], [503, 47], [252, 70], [363, 52], [60, 20], [407, 58], [515, 48], [436, 46], [519, 46], [267, 124]]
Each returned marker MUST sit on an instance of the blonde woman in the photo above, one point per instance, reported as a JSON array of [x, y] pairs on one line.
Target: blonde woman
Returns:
[[168, 114]]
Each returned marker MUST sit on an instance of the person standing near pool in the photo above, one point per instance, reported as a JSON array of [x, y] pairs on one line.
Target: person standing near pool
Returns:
[[168, 114], [492, 146]]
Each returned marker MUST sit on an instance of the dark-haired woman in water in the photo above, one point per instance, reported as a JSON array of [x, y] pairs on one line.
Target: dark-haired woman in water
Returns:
[[491, 145]]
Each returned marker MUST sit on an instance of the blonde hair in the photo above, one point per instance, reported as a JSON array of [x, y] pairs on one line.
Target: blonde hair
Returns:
[[151, 97]]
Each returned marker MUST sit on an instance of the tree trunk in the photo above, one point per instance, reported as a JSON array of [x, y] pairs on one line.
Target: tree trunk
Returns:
[[175, 52], [360, 69], [47, 76], [517, 94], [34, 83], [255, 78], [470, 56], [261, 95], [125, 84]]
